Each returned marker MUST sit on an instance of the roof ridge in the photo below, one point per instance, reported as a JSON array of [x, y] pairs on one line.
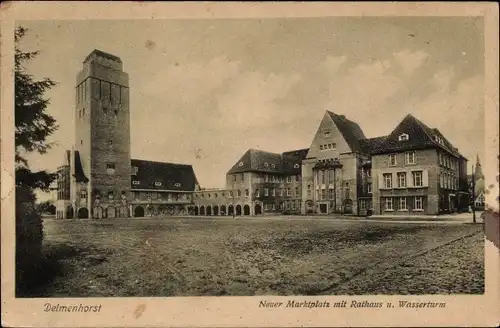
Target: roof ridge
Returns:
[[151, 161]]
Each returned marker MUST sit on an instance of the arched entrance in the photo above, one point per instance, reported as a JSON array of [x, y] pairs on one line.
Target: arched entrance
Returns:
[[209, 210], [110, 212], [258, 209], [216, 210], [348, 206], [230, 210], [223, 210], [139, 212], [246, 210], [196, 210], [238, 209], [202, 210], [98, 212], [70, 213], [83, 213], [123, 212]]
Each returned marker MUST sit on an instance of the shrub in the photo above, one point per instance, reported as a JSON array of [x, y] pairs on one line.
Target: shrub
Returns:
[[29, 236]]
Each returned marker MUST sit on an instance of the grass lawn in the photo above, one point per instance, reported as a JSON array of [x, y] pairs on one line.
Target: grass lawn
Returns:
[[205, 257]]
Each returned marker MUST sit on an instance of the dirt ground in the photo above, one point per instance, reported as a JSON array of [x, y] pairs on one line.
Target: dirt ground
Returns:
[[265, 256]]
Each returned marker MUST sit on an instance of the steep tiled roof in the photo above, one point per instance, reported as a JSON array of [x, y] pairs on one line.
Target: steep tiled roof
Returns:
[[172, 176], [350, 130], [257, 161], [371, 144], [420, 136], [292, 160], [79, 174]]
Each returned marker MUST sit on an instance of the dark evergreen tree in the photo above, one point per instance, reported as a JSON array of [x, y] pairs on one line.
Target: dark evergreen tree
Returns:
[[32, 127]]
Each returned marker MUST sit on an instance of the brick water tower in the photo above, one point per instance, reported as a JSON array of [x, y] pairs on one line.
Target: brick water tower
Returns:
[[101, 171]]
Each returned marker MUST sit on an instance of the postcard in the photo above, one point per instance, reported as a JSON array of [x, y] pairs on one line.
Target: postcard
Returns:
[[252, 164]]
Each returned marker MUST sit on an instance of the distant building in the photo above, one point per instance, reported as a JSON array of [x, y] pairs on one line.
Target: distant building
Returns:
[[479, 186]]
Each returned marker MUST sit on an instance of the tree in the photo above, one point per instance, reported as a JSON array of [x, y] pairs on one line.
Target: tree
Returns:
[[32, 127], [33, 124]]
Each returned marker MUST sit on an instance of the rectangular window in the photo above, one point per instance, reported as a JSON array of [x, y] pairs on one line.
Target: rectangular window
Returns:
[[135, 169], [320, 147], [387, 180], [247, 193], [417, 178], [392, 160], [402, 179], [441, 180], [242, 177], [330, 194], [288, 193], [369, 186], [323, 194], [402, 203], [410, 158], [388, 204], [368, 172], [234, 178], [257, 193], [230, 194], [111, 195], [362, 204], [273, 192], [281, 192], [83, 194], [419, 204], [289, 179], [266, 178], [154, 195], [266, 192], [297, 193]]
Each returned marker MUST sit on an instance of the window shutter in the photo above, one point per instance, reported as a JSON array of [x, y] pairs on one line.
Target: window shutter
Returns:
[[425, 178], [380, 181]]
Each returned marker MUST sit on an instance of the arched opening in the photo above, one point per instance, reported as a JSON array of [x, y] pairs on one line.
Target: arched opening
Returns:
[[230, 210], [123, 212], [110, 212], [202, 210], [238, 209], [139, 212], [98, 213], [216, 210], [246, 210], [223, 210], [209, 210], [258, 209], [70, 213], [83, 213], [196, 211], [348, 206]]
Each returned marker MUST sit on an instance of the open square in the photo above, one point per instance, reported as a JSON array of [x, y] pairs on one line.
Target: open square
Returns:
[[259, 256]]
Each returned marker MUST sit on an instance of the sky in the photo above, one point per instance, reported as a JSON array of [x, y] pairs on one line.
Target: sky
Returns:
[[202, 92]]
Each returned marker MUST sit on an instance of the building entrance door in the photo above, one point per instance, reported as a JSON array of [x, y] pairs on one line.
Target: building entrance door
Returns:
[[323, 208]]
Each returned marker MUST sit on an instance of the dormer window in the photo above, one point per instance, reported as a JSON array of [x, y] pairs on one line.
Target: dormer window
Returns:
[[266, 165], [404, 137], [273, 166], [296, 166], [240, 164], [158, 184], [135, 182], [177, 184]]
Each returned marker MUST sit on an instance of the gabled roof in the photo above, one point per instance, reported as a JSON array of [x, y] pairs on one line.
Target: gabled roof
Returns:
[[79, 174], [292, 160], [257, 161], [350, 130], [371, 144], [172, 176], [420, 136]]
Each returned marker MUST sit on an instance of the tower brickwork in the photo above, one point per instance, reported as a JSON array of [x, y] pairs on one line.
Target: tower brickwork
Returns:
[[102, 136]]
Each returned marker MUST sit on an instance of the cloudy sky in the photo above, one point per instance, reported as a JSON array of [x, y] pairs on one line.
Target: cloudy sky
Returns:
[[204, 91]]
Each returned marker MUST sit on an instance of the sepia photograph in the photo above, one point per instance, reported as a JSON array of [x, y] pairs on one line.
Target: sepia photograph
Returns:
[[250, 156]]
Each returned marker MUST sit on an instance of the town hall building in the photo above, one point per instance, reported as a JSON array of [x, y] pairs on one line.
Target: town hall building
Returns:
[[414, 170]]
